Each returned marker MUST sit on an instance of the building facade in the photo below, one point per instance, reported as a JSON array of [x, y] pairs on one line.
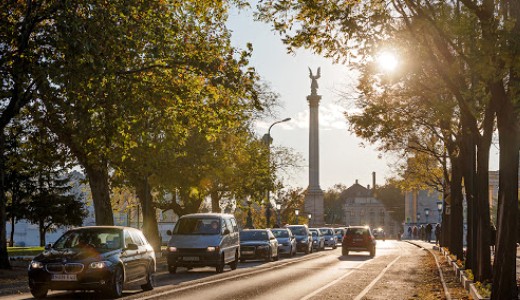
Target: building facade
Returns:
[[362, 208]]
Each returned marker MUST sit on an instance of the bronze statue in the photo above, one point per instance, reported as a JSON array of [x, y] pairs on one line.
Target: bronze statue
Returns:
[[314, 82]]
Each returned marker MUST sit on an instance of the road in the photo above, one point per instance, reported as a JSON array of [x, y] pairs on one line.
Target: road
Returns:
[[326, 274]]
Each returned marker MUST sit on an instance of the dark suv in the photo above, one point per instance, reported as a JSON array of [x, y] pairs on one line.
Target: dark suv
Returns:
[[359, 238], [303, 237]]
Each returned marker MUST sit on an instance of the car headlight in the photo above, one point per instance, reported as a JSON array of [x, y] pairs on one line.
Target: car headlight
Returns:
[[172, 249], [212, 249], [99, 265], [36, 265]]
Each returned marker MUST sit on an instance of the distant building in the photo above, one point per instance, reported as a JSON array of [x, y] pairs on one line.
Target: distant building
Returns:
[[422, 207], [362, 208]]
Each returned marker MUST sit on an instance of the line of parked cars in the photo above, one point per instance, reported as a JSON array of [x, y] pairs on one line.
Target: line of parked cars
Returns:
[[105, 258]]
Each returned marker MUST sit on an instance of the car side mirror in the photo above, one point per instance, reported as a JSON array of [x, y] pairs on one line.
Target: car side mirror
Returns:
[[48, 247], [132, 247], [168, 232], [226, 231]]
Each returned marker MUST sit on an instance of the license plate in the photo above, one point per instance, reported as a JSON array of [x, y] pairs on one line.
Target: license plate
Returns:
[[248, 252], [358, 240], [190, 258], [64, 277]]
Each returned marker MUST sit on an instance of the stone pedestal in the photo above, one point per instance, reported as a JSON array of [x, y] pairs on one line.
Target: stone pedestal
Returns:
[[314, 206]]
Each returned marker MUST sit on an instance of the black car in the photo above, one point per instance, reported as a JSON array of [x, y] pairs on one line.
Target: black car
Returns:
[[303, 238], [258, 244], [100, 258]]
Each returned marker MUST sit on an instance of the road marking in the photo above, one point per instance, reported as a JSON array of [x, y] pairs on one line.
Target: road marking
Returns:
[[334, 282], [365, 291]]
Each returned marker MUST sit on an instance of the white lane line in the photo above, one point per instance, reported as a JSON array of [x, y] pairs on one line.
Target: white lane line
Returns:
[[334, 282], [365, 291]]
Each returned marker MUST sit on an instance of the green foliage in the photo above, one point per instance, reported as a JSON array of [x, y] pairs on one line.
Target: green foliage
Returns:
[[392, 198], [333, 205], [483, 288]]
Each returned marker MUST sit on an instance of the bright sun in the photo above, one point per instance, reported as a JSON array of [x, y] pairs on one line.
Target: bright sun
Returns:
[[387, 61]]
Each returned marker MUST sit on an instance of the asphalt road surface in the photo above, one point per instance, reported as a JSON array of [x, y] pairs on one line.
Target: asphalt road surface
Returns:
[[394, 273]]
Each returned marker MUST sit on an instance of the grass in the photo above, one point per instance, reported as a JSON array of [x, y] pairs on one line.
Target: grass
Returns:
[[24, 251]]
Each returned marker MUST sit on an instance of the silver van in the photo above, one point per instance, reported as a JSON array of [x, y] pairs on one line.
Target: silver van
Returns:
[[204, 239]]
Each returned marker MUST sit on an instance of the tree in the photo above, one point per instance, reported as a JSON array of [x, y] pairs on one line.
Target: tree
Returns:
[[475, 66], [333, 205]]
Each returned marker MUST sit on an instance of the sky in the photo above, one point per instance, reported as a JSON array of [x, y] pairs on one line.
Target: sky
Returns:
[[342, 158]]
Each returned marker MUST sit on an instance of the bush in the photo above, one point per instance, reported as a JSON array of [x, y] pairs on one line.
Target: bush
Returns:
[[484, 289], [460, 263], [469, 274]]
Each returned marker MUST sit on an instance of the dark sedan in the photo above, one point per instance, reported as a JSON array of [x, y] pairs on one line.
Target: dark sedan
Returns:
[[258, 244], [101, 258]]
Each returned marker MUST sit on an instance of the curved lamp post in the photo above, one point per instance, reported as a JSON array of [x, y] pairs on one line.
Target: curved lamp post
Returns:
[[267, 139], [278, 210], [427, 214], [296, 213], [310, 217], [418, 218]]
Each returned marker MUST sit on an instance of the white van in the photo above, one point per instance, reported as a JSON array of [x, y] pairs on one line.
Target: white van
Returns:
[[204, 239]]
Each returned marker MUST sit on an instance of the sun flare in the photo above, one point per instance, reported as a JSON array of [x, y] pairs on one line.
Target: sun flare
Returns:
[[387, 61]]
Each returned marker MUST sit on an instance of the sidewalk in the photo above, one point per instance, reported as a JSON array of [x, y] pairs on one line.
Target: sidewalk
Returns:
[[450, 272]]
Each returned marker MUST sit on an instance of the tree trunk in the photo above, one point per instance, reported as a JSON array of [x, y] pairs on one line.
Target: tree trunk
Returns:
[[150, 226], [4, 257], [41, 229], [468, 159], [215, 202], [483, 254], [455, 217], [99, 187], [11, 238], [504, 266]]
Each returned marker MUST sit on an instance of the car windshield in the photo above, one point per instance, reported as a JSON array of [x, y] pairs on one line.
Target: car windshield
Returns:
[[339, 231], [280, 233], [326, 231], [197, 226], [253, 235], [298, 230], [102, 239], [314, 233]]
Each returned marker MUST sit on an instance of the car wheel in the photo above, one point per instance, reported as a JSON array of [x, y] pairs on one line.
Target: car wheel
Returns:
[[220, 266], [115, 288], [39, 291], [172, 269], [373, 252], [269, 256], [344, 251], [148, 286], [335, 246], [234, 264]]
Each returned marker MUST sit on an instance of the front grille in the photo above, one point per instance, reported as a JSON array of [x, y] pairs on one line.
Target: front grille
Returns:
[[70, 268], [247, 248], [191, 251], [73, 268]]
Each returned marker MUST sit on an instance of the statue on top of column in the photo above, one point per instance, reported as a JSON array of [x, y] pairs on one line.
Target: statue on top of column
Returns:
[[314, 82]]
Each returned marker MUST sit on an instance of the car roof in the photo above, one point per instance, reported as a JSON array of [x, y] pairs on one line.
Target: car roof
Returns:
[[247, 229]]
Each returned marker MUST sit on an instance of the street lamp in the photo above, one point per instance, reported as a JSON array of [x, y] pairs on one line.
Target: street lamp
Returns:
[[439, 209], [267, 139], [296, 213], [427, 214], [418, 217], [278, 208], [310, 217]]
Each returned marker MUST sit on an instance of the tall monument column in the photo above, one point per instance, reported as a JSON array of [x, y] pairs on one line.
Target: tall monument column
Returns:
[[314, 196]]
